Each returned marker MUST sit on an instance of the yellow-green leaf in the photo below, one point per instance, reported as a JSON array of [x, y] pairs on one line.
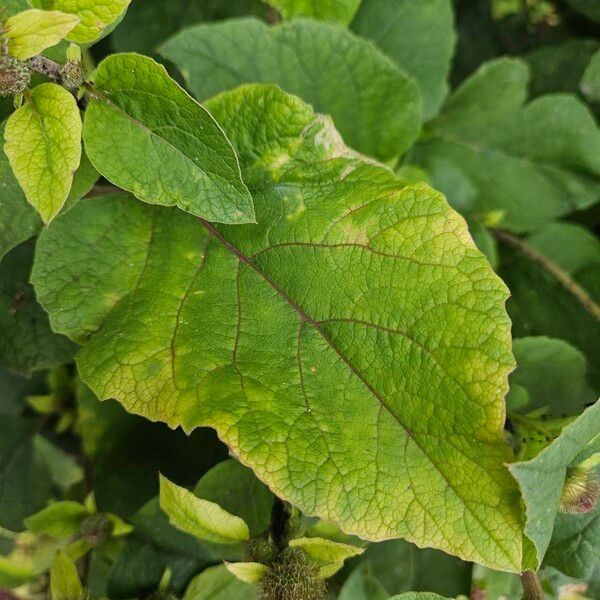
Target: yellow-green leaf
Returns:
[[43, 145], [64, 580], [201, 518], [32, 31], [250, 572], [324, 550], [94, 15]]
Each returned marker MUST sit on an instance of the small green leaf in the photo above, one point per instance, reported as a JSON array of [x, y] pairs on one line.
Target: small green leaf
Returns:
[[590, 82], [217, 583], [249, 572], [206, 520], [362, 585], [64, 580], [32, 31], [43, 145], [93, 16], [188, 160], [59, 520], [324, 550], [375, 106], [542, 478], [236, 489], [341, 11]]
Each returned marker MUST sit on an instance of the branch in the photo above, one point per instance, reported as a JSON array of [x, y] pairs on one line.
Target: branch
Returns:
[[552, 268], [532, 588], [280, 518], [45, 66]]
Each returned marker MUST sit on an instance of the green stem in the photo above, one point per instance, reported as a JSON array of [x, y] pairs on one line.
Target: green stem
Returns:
[[586, 301], [532, 588]]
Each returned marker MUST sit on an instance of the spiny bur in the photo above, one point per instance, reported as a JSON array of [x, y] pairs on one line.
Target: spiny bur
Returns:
[[292, 577], [260, 550], [14, 75], [580, 492]]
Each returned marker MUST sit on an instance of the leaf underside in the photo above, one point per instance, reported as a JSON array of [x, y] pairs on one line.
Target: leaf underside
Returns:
[[352, 347]]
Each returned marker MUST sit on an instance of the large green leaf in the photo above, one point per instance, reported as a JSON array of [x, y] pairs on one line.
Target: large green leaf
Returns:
[[340, 11], [149, 23], [516, 153], [43, 145], [419, 36], [542, 478], [540, 305], [374, 105], [589, 8], [188, 160], [27, 342], [24, 479], [352, 348]]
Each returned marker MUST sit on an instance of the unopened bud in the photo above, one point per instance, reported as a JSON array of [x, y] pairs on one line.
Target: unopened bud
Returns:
[[96, 529], [260, 550], [580, 492], [72, 74], [14, 75]]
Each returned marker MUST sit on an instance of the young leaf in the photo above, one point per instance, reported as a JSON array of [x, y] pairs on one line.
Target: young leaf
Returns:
[[327, 344], [93, 16], [324, 550], [249, 572], [375, 106], [64, 580], [206, 520], [590, 82], [398, 27], [361, 585], [542, 478], [59, 520], [32, 31], [43, 145], [188, 160], [340, 11], [515, 153], [217, 583], [236, 489]]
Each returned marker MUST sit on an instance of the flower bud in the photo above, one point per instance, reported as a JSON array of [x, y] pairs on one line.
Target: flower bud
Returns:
[[96, 529], [71, 74], [580, 492], [260, 550], [14, 75]]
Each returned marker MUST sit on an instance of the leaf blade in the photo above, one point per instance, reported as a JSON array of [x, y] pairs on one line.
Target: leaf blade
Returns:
[[43, 146], [189, 161], [296, 281], [202, 518]]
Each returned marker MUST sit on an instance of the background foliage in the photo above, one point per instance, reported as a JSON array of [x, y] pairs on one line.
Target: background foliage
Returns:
[[354, 347]]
